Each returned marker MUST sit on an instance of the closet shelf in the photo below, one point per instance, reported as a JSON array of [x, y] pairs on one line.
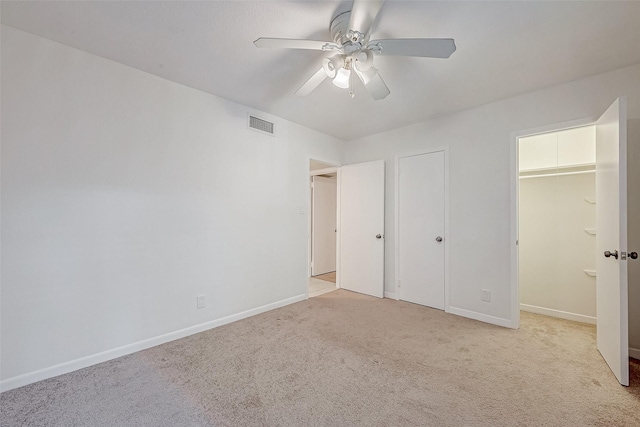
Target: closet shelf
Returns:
[[591, 231], [590, 200], [591, 273]]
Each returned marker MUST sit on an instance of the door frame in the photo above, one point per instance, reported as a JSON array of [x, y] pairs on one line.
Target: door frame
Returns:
[[444, 149], [515, 194], [332, 169]]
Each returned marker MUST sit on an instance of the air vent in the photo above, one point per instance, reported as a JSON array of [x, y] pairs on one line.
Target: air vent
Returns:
[[261, 125]]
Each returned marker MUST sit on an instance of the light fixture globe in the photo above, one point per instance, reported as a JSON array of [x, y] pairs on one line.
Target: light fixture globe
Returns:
[[363, 60], [332, 65], [342, 78], [328, 67]]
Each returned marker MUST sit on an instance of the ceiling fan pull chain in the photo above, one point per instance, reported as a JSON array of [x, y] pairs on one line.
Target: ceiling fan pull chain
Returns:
[[351, 92]]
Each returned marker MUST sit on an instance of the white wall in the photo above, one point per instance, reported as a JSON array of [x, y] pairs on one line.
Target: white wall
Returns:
[[480, 141], [124, 196]]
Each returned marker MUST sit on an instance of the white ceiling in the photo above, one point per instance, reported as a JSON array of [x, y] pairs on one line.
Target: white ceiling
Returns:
[[504, 49]]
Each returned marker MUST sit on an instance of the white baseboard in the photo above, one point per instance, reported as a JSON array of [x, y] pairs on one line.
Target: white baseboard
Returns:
[[558, 313], [634, 352], [83, 362], [499, 321], [391, 295]]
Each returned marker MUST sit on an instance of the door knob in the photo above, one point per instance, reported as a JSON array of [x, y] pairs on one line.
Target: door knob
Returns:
[[613, 254], [438, 239], [378, 236], [633, 255]]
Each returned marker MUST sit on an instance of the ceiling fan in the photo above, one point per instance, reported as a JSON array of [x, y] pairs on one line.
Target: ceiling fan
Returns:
[[354, 51]]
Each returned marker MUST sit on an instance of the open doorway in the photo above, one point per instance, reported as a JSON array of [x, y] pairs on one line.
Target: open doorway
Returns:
[[610, 229], [557, 224], [323, 182]]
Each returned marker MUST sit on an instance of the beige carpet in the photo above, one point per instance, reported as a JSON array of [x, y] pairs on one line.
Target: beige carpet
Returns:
[[344, 359]]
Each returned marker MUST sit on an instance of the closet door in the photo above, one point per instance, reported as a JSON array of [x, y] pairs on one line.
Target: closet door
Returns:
[[421, 225], [611, 239]]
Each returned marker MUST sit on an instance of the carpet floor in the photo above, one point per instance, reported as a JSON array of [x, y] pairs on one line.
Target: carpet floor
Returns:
[[345, 359]]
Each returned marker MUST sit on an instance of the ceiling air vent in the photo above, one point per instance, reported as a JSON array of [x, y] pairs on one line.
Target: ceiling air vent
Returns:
[[261, 125]]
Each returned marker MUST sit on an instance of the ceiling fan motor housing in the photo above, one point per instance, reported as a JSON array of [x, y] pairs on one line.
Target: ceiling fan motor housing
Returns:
[[339, 28], [352, 43]]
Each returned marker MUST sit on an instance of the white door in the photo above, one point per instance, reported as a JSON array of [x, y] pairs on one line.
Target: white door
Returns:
[[611, 236], [362, 228], [421, 239], [323, 226]]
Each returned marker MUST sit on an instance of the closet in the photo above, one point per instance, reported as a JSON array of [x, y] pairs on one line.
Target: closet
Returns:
[[556, 221]]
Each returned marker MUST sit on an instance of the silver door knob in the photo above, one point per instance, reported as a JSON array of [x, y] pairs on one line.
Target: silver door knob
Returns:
[[438, 239], [609, 254], [378, 236]]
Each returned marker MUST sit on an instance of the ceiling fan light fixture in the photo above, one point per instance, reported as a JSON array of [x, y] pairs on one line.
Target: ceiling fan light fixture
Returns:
[[342, 78], [364, 60], [328, 67], [332, 65], [353, 50]]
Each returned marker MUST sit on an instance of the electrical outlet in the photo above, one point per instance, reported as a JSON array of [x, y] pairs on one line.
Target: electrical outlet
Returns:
[[201, 301], [485, 295]]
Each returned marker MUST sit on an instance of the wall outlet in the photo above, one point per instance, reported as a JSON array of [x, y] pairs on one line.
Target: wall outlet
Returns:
[[485, 295], [201, 301]]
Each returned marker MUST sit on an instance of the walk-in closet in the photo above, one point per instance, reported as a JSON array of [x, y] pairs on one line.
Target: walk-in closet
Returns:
[[557, 220]]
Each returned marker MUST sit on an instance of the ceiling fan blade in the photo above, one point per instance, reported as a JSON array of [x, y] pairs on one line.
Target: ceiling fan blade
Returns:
[[429, 48], [363, 15], [312, 83], [373, 83], [295, 44]]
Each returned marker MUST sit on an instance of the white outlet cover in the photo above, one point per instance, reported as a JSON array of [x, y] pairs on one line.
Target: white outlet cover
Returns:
[[485, 295], [201, 301]]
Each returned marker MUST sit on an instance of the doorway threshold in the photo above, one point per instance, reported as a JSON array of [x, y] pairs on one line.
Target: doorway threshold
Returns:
[[319, 287]]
